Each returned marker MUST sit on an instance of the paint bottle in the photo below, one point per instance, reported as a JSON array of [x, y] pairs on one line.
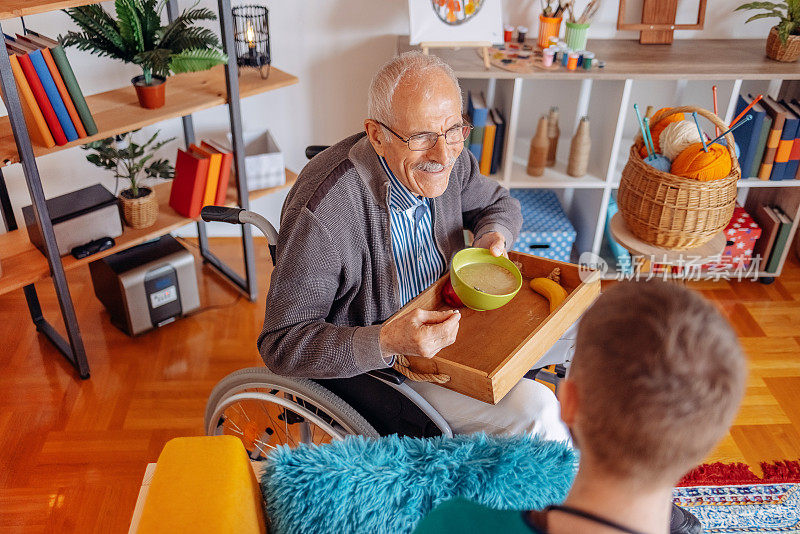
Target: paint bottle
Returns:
[[522, 31], [579, 150], [508, 33], [553, 133], [565, 52], [588, 59], [572, 61], [537, 157], [547, 56]]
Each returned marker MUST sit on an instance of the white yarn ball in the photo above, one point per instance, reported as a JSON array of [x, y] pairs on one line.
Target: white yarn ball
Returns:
[[676, 137]]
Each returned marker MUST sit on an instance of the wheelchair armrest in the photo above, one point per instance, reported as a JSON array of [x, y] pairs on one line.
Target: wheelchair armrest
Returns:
[[388, 374]]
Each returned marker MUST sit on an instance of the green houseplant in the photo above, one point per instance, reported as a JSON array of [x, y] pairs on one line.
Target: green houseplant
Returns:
[[137, 36], [133, 162], [783, 42]]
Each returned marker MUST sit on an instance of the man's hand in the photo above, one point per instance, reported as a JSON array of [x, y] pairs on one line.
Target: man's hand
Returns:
[[420, 333], [494, 241]]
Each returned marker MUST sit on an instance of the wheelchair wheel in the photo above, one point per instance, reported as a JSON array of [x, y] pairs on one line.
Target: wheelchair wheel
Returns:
[[265, 410]]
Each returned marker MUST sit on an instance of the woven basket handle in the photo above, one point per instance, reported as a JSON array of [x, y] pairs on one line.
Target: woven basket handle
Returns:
[[716, 121]]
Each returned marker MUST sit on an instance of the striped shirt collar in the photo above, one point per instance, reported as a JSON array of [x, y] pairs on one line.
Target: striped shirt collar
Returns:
[[400, 198]]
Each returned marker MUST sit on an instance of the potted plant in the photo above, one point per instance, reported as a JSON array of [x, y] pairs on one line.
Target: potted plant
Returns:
[[132, 162], [783, 42], [137, 36]]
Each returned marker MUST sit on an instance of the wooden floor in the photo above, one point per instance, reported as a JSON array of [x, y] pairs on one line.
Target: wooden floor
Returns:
[[73, 452]]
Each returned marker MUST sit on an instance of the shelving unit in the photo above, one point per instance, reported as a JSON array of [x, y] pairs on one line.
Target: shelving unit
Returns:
[[627, 63], [115, 112]]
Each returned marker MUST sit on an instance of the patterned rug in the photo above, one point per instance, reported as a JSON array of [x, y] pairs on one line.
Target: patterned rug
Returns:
[[731, 498]]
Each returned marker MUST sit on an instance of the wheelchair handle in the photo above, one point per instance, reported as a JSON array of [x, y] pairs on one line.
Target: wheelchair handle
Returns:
[[313, 150], [242, 216]]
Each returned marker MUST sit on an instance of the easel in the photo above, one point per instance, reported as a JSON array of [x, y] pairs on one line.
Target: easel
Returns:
[[484, 45]]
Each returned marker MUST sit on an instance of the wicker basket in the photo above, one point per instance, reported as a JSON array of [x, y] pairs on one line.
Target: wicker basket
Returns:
[[672, 212], [778, 51], [140, 212]]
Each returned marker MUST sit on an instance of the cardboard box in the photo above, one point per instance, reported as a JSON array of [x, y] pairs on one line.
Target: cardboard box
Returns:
[[546, 230], [494, 349], [263, 160]]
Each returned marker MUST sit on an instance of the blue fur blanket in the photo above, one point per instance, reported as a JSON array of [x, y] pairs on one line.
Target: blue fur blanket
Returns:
[[389, 484]]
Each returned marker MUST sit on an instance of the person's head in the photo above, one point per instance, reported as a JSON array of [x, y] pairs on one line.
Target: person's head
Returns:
[[655, 382], [415, 94]]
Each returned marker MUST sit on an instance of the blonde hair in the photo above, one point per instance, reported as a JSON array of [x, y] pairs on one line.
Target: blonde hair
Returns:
[[659, 375], [388, 78]]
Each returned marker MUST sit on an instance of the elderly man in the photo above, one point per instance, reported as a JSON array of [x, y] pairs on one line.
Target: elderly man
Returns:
[[374, 220]]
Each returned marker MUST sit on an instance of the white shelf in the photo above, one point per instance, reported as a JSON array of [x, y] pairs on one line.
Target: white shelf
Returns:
[[553, 178]]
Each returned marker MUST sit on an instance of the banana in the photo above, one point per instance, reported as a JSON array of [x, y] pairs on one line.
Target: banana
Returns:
[[550, 289]]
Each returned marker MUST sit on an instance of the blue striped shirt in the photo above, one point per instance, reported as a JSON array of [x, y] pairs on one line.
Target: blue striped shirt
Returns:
[[416, 258]]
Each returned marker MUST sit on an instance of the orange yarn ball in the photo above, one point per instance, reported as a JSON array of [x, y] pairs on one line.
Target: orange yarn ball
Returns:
[[656, 129], [695, 163]]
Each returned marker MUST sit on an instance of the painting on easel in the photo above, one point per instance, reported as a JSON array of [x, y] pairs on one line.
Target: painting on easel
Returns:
[[455, 21]]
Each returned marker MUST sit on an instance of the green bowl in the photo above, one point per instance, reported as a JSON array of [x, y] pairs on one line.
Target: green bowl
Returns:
[[471, 297]]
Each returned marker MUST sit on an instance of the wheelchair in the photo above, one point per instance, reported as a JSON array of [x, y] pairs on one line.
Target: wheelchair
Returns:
[[266, 410]]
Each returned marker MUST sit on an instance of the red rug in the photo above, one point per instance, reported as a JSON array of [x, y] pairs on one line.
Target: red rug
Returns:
[[720, 474]]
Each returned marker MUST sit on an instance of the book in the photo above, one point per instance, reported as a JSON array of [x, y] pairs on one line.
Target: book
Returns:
[[785, 145], [62, 89], [477, 113], [37, 126], [37, 59], [766, 127], [780, 240], [769, 224], [487, 147], [499, 139], [189, 183], [747, 134], [41, 99], [778, 115], [68, 76], [793, 165], [224, 169], [210, 195]]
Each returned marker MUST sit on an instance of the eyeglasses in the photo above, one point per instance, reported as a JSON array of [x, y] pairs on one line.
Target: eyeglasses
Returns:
[[427, 140]]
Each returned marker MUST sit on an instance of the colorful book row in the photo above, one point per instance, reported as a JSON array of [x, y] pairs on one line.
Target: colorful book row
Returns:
[[487, 139], [52, 101], [769, 145], [201, 178]]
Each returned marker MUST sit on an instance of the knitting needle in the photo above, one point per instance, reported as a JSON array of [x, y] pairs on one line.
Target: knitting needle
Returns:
[[745, 110], [749, 117], [699, 130], [641, 126], [716, 111], [649, 137]]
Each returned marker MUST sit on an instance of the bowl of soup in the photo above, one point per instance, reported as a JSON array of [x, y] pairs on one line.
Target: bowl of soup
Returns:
[[482, 281]]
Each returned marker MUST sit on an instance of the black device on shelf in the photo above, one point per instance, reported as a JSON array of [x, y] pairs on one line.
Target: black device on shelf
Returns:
[[92, 247]]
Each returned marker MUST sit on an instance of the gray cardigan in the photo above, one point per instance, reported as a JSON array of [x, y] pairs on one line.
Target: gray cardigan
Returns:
[[335, 280]]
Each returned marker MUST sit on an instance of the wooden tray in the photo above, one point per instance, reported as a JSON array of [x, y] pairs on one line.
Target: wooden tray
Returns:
[[494, 349]]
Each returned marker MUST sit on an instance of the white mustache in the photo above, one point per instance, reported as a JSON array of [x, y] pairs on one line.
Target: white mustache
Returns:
[[432, 166]]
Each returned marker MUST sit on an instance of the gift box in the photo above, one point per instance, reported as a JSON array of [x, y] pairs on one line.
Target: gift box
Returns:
[[741, 234], [546, 230]]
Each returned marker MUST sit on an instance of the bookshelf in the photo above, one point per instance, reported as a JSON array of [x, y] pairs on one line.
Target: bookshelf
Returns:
[[24, 264], [118, 111], [628, 64], [115, 112]]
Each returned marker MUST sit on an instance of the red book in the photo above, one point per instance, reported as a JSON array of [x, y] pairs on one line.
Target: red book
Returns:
[[224, 170], [41, 99], [189, 184]]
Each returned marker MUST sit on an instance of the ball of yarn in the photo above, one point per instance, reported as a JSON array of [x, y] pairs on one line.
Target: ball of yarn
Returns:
[[723, 142], [659, 127], [676, 137], [695, 163], [660, 162]]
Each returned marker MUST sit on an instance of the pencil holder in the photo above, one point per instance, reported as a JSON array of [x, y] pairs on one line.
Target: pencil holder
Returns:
[[575, 35], [548, 27]]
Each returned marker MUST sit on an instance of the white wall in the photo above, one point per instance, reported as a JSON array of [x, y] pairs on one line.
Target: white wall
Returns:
[[333, 47]]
